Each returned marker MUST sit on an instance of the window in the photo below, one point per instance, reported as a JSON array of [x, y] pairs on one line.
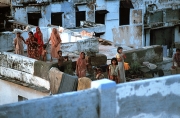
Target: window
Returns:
[[33, 18], [124, 10], [56, 18], [21, 98], [100, 16], [80, 16]]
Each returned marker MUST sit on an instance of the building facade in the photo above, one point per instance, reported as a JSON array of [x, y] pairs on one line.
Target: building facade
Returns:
[[69, 14]]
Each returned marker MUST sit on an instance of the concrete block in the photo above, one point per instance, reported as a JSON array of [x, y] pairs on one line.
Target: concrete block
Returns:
[[105, 87], [152, 54], [88, 45], [24, 77], [17, 62], [84, 83], [6, 39], [55, 77], [99, 59]]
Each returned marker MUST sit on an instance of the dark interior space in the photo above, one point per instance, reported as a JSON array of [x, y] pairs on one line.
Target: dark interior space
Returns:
[[56, 18], [163, 36], [80, 16], [124, 12], [4, 13], [100, 16], [33, 18]]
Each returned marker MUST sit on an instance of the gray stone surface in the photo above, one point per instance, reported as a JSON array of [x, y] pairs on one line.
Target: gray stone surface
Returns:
[[88, 45]]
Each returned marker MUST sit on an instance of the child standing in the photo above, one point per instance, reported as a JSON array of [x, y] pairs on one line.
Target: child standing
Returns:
[[44, 53], [120, 56], [60, 61], [114, 72], [18, 43], [81, 65]]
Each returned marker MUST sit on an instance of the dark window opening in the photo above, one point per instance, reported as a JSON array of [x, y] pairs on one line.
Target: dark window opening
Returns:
[[100, 16], [80, 16], [21, 98], [33, 18], [124, 10], [98, 34], [56, 18]]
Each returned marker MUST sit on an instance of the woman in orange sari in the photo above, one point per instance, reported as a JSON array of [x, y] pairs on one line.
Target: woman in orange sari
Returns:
[[39, 36], [55, 43]]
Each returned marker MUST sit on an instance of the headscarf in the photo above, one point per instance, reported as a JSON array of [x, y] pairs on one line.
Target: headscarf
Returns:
[[55, 37]]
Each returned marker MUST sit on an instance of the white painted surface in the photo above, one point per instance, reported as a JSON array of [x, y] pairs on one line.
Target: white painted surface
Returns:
[[152, 98], [9, 92], [24, 77], [17, 62]]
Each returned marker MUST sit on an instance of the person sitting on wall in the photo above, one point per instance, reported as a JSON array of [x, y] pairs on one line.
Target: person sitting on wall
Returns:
[[176, 59]]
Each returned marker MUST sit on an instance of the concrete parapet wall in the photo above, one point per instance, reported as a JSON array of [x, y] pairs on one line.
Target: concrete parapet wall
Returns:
[[152, 98], [17, 62], [25, 77], [26, 70], [151, 54], [56, 106]]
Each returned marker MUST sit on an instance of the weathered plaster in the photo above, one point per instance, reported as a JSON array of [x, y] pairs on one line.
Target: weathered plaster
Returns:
[[152, 98], [25, 77], [6, 41], [151, 54], [149, 98], [57, 106], [17, 62], [130, 35], [9, 92], [136, 16]]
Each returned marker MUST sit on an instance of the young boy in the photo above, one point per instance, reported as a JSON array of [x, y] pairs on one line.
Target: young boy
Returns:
[[60, 61], [44, 53], [99, 74]]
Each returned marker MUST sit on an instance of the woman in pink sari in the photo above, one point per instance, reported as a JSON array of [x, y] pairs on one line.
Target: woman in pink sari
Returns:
[[55, 43], [39, 36], [81, 65]]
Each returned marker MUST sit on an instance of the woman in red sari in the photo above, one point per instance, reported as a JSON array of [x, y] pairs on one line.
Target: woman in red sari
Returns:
[[39, 36], [32, 46]]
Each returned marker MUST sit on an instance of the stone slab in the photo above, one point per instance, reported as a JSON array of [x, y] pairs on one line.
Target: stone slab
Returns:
[[24, 77], [152, 54], [55, 77], [84, 83], [88, 45], [17, 62]]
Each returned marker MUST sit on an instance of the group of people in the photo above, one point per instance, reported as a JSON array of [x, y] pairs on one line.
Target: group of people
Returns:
[[116, 71], [37, 49], [35, 45]]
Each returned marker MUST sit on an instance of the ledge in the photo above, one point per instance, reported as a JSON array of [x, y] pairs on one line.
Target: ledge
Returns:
[[24, 79]]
